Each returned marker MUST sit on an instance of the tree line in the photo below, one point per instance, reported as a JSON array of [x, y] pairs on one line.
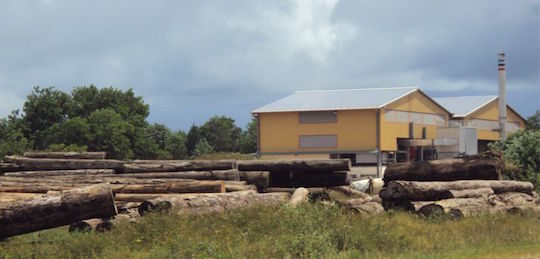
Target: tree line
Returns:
[[115, 121]]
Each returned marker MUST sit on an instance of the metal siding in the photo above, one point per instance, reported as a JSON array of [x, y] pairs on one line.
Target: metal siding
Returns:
[[318, 141]]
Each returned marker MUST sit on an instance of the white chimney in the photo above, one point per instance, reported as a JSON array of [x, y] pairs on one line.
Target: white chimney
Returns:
[[502, 96]]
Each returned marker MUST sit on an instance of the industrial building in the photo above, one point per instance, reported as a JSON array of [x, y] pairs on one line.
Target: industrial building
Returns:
[[482, 114], [368, 126]]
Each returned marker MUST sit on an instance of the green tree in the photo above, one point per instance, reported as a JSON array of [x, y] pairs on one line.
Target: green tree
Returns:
[[192, 139], [176, 145], [12, 139], [110, 133], [248, 143], [222, 134], [43, 108], [533, 122], [202, 148]]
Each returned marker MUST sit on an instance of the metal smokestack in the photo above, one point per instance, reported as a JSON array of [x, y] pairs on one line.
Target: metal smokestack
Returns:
[[502, 96]]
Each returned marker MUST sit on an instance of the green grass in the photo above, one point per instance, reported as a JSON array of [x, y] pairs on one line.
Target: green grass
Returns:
[[310, 231]]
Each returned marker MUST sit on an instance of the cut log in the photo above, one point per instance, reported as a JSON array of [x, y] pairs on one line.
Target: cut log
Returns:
[[295, 165], [368, 208], [232, 186], [172, 187], [468, 193], [42, 164], [196, 175], [431, 191], [308, 179], [445, 170], [219, 202], [261, 179], [9, 167], [300, 195], [61, 172], [464, 207], [94, 201], [177, 165], [66, 155], [291, 190]]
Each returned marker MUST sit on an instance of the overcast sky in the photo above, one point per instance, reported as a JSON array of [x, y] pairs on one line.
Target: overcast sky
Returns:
[[194, 59]]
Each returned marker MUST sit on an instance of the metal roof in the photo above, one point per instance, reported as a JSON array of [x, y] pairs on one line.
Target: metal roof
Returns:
[[329, 100], [461, 106]]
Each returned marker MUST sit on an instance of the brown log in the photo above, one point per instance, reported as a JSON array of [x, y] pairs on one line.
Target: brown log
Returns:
[[299, 196], [195, 175], [328, 165], [468, 193], [177, 165], [42, 164], [464, 207], [308, 179], [66, 155], [291, 190], [445, 170], [369, 208], [236, 186], [261, 179], [431, 191], [205, 203], [9, 167], [61, 172], [94, 201]]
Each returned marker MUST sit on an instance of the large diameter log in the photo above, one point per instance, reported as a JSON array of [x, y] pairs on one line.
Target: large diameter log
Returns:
[[196, 175], [468, 193], [178, 165], [94, 201], [61, 172], [299, 196], [369, 208], [66, 155], [464, 207], [261, 179], [9, 167], [205, 203], [445, 170], [431, 191], [295, 165], [308, 179], [31, 164]]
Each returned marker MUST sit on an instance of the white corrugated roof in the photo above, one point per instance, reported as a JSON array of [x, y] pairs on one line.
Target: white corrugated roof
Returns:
[[329, 100], [462, 106]]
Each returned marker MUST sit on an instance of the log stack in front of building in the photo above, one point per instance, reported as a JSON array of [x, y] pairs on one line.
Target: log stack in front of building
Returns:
[[36, 190], [457, 187]]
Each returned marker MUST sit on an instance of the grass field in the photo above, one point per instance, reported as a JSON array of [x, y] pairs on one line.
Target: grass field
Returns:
[[310, 231]]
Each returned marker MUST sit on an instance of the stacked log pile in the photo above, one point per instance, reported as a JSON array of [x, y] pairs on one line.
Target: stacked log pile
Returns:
[[456, 187], [39, 181]]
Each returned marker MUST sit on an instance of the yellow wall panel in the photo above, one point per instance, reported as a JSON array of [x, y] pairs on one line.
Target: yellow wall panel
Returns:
[[491, 112]]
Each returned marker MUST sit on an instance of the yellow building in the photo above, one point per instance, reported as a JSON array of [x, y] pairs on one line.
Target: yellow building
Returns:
[[482, 113], [366, 125]]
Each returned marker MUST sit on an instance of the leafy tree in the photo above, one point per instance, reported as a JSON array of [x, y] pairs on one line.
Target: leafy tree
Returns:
[[192, 139], [12, 139], [176, 145], [66, 148], [533, 122], [521, 151], [202, 148], [110, 133], [222, 134], [43, 108], [248, 143]]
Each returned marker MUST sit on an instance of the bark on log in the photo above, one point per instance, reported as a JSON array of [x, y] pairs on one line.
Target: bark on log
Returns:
[[36, 164], [9, 167], [295, 165], [66, 155], [431, 191], [261, 179], [61, 172], [464, 207], [195, 175], [445, 170], [231, 186], [468, 193], [219, 202], [291, 190], [369, 208], [308, 179], [299, 196], [94, 201], [177, 165]]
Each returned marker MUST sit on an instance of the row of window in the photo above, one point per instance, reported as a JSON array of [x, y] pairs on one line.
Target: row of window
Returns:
[[488, 124], [415, 117]]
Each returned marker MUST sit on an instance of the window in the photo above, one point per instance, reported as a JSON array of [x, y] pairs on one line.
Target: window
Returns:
[[317, 117], [318, 141]]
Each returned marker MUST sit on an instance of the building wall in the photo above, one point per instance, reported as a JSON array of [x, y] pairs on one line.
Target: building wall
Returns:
[[419, 109], [280, 132], [489, 115]]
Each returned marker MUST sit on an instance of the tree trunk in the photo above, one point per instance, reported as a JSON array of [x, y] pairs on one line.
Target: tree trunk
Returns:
[[195, 175], [464, 207], [261, 179], [29, 164], [66, 155], [21, 217], [369, 208], [295, 165], [9, 167], [300, 195], [431, 191], [61, 172], [236, 186], [205, 203], [445, 170], [177, 165], [468, 193]]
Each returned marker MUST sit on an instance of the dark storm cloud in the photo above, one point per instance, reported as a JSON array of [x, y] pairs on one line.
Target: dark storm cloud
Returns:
[[194, 59]]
